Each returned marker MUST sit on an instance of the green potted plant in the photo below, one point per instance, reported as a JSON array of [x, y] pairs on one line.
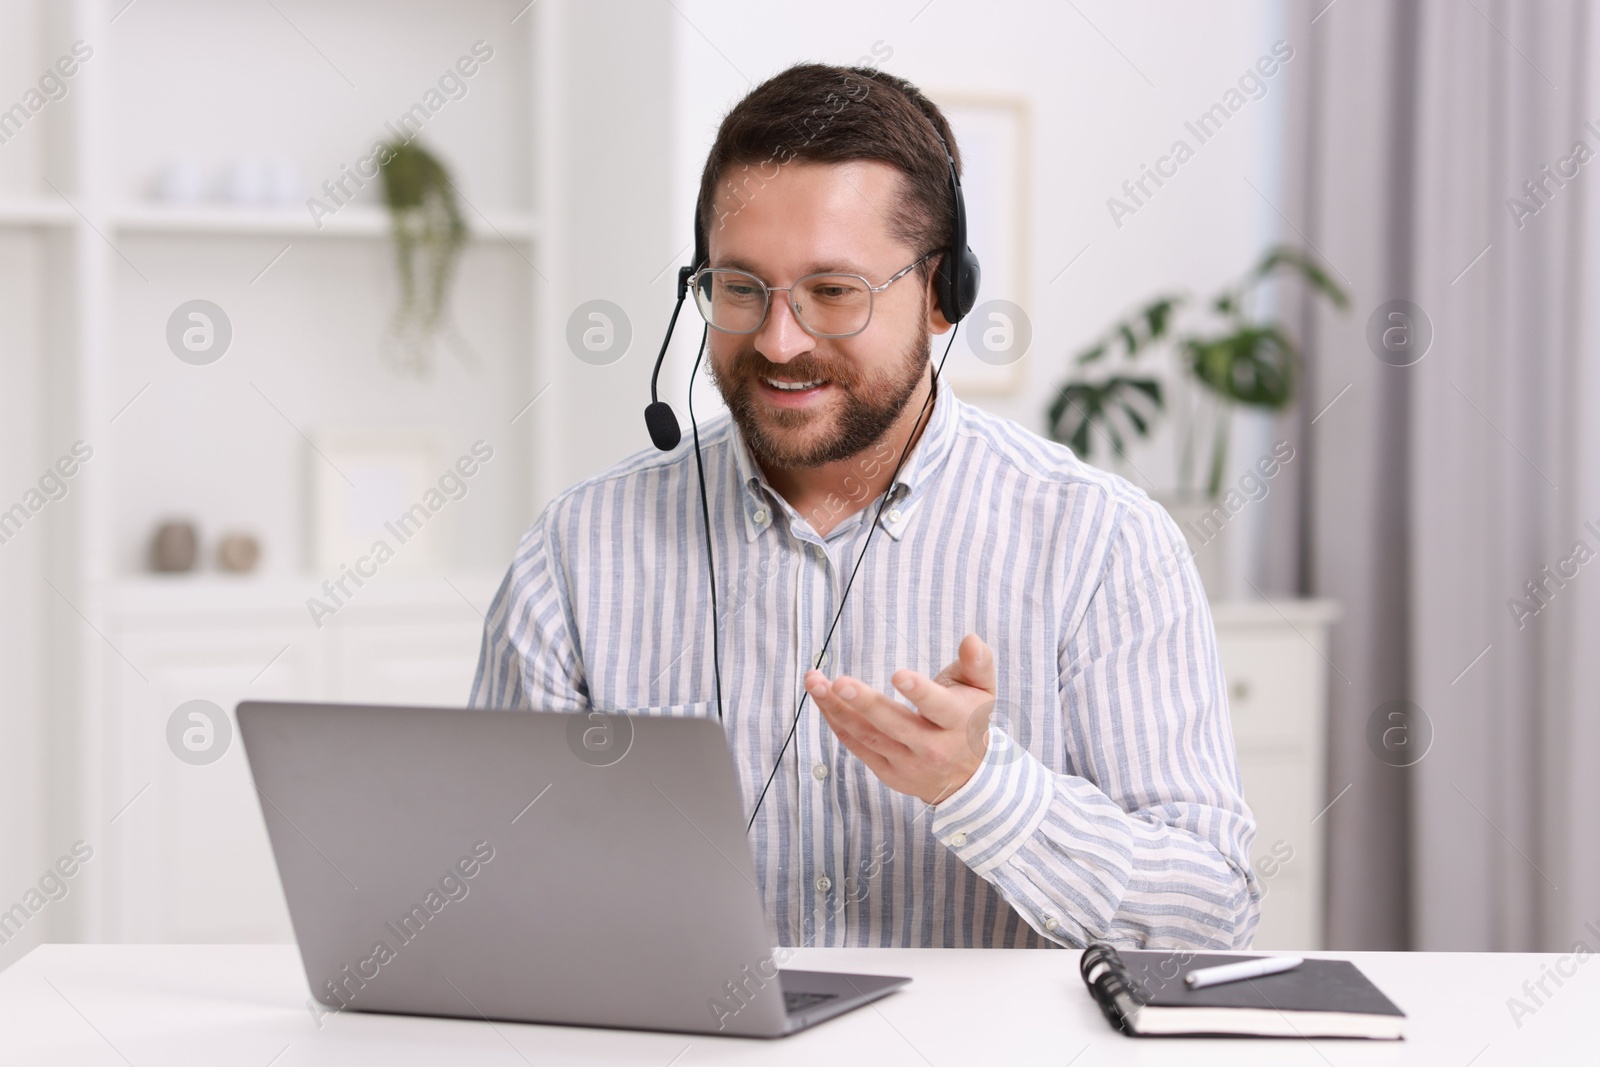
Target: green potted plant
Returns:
[[429, 232], [1232, 357]]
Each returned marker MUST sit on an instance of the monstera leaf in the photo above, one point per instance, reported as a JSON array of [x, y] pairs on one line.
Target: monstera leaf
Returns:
[[1136, 333], [1080, 407], [1253, 365]]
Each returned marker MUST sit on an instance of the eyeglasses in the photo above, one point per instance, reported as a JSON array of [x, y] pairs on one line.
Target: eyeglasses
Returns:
[[825, 305]]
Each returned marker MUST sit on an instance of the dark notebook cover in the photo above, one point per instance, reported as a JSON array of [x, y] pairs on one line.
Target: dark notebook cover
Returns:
[[1143, 992], [1315, 985]]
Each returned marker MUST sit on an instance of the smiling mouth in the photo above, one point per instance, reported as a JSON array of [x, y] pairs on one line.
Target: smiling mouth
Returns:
[[794, 387]]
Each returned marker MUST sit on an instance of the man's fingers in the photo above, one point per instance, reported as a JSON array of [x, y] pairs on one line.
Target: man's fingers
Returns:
[[876, 762], [866, 715], [935, 701], [973, 666], [858, 737], [977, 663]]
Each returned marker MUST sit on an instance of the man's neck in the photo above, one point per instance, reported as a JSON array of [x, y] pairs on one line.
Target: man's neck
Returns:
[[825, 496]]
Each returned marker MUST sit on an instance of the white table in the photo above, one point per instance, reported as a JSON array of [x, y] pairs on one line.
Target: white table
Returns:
[[246, 1005]]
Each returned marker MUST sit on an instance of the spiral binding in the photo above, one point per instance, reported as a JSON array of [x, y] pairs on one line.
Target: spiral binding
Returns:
[[1112, 980]]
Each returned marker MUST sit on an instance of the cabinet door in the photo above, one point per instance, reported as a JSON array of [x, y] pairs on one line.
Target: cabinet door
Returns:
[[1272, 688], [1275, 699], [1287, 854], [188, 856]]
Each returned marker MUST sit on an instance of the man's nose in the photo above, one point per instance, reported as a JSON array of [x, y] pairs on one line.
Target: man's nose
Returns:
[[781, 337]]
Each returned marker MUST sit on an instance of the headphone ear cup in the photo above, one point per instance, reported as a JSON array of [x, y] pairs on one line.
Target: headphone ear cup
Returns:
[[958, 287], [968, 275]]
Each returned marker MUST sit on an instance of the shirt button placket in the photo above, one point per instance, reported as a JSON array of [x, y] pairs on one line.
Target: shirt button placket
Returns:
[[822, 801], [836, 905]]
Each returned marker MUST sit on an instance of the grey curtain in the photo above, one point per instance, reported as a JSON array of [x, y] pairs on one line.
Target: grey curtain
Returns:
[[1451, 502]]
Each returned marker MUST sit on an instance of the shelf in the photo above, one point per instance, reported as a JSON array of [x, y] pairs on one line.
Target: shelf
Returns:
[[34, 212], [220, 220], [357, 220]]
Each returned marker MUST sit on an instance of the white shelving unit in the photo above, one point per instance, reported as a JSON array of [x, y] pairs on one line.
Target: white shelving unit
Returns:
[[90, 269]]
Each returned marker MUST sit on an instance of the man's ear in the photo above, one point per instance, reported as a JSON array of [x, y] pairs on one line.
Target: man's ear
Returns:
[[937, 323]]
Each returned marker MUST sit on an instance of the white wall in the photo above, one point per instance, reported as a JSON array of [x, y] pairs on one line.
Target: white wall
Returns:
[[611, 133]]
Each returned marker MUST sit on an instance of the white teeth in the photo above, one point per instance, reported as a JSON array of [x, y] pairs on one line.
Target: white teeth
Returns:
[[793, 386]]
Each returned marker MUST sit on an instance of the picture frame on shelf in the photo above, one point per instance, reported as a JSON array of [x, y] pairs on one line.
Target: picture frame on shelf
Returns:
[[369, 491]]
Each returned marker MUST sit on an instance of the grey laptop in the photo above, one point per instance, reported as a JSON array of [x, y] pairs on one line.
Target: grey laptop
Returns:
[[537, 867]]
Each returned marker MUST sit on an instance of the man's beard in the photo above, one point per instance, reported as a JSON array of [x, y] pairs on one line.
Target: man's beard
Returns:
[[867, 411]]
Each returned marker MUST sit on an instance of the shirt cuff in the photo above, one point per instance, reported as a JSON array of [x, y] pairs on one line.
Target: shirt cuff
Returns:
[[988, 818]]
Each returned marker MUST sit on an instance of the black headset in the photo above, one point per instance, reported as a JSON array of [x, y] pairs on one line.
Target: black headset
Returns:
[[957, 288]]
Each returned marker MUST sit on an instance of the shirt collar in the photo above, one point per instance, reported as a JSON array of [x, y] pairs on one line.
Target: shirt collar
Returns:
[[758, 499]]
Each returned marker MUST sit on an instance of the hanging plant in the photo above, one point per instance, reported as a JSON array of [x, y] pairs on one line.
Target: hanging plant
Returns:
[[425, 218]]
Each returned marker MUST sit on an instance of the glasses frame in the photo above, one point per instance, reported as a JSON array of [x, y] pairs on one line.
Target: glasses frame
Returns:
[[768, 290]]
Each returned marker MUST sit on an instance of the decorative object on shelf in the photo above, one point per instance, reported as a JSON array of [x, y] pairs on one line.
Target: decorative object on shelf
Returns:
[[181, 181], [175, 547], [428, 235], [238, 553], [245, 182], [1245, 361]]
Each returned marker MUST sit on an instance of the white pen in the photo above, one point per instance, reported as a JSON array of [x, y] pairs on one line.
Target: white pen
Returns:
[[1238, 972]]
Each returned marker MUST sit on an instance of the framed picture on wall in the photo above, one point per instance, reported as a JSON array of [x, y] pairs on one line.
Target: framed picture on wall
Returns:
[[994, 134]]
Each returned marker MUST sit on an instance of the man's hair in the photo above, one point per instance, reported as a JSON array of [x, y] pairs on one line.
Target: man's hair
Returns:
[[815, 113]]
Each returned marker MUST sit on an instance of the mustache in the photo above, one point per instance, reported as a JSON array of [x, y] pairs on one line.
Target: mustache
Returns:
[[752, 364]]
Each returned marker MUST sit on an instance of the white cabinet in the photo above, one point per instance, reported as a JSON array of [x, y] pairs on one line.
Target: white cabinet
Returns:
[[187, 857], [1275, 657]]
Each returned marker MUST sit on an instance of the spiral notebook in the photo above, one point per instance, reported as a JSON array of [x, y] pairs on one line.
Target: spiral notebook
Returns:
[[1143, 994]]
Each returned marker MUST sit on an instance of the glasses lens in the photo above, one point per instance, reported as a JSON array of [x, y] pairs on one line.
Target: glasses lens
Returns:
[[833, 305], [731, 300]]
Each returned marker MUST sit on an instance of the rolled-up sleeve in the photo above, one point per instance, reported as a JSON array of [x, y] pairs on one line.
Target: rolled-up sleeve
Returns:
[[1146, 841], [528, 658]]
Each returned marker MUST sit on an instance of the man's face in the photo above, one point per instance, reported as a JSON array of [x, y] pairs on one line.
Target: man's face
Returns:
[[812, 218]]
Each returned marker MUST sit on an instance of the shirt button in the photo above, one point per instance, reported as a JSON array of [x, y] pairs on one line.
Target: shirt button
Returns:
[[824, 883], [820, 771], [958, 839], [760, 515], [894, 514], [1051, 924], [822, 660]]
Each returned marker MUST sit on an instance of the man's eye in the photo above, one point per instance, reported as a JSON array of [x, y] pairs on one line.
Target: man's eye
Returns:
[[741, 291]]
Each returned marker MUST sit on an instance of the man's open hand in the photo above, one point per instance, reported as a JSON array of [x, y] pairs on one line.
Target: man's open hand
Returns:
[[928, 755]]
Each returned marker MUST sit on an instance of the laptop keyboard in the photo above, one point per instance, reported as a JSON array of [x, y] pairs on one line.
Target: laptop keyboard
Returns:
[[793, 1002]]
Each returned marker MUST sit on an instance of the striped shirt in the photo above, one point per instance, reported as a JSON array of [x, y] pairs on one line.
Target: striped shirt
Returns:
[[1108, 803]]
